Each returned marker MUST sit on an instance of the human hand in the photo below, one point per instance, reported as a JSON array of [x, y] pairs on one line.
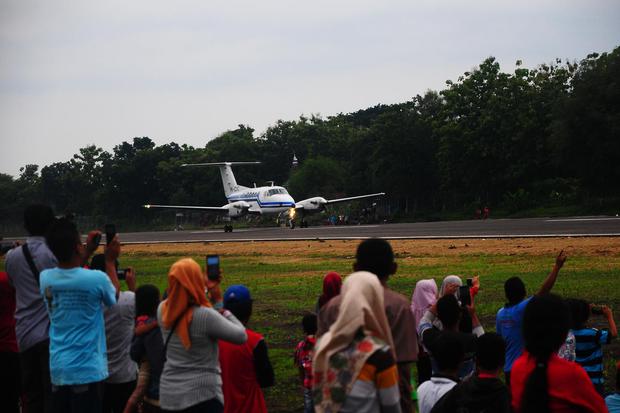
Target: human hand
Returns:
[[130, 279], [213, 288], [451, 288], [560, 259], [475, 281], [113, 249], [92, 241], [606, 310]]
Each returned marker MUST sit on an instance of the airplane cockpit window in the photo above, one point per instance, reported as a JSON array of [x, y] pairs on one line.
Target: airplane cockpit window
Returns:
[[276, 191]]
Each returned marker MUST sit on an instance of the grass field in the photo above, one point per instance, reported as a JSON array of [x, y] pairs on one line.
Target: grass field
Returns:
[[285, 281]]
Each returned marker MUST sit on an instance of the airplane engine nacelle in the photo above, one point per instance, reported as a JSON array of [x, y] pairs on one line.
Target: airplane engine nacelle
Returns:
[[238, 209], [315, 204]]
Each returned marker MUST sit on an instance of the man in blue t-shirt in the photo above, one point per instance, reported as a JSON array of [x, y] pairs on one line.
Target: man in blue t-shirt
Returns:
[[510, 317], [74, 297]]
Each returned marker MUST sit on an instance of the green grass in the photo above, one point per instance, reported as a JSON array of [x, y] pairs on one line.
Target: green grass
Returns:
[[284, 288]]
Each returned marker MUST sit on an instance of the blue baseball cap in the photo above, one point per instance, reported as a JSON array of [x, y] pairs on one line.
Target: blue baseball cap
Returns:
[[237, 294]]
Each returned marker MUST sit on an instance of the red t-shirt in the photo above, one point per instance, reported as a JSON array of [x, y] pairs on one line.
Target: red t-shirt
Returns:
[[8, 340], [570, 388], [242, 392]]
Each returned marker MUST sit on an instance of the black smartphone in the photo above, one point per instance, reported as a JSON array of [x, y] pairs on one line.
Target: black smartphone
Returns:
[[470, 282], [97, 239], [213, 267], [110, 232], [596, 310], [464, 295], [121, 274]]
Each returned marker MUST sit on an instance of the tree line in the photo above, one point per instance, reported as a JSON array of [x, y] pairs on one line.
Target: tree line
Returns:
[[543, 137]]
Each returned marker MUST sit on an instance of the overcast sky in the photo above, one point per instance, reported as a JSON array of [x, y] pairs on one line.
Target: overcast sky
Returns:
[[74, 73]]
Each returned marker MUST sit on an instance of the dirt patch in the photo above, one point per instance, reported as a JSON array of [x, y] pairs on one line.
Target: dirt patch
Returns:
[[600, 246]]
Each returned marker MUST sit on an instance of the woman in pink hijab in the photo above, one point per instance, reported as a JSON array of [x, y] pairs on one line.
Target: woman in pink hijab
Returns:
[[424, 296]]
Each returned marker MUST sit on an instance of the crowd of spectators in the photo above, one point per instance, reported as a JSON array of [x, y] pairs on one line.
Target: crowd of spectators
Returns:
[[73, 339]]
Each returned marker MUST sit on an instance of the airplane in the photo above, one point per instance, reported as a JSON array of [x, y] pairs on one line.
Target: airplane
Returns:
[[263, 200]]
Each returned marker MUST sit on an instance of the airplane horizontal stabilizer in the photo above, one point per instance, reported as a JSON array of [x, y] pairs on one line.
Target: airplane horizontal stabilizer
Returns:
[[220, 210]]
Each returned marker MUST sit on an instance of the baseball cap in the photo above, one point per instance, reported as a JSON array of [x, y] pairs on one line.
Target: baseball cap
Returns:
[[237, 294]]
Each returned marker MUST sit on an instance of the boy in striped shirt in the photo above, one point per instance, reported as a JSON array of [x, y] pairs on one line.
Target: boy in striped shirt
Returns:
[[589, 341]]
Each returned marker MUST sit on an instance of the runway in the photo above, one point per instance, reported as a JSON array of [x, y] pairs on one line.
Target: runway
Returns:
[[492, 228]]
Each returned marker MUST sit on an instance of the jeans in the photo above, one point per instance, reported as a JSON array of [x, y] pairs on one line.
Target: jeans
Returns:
[[308, 401], [9, 382], [80, 398], [35, 372]]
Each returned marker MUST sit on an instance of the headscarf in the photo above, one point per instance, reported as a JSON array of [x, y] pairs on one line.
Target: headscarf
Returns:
[[450, 279], [362, 307], [424, 295], [186, 288], [331, 287]]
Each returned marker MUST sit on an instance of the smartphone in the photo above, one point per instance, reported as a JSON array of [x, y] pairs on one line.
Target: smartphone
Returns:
[[470, 282], [596, 310], [464, 295], [97, 239], [213, 267], [110, 232], [121, 274]]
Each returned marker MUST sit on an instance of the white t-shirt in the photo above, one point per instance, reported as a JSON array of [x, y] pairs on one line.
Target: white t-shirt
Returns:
[[431, 391]]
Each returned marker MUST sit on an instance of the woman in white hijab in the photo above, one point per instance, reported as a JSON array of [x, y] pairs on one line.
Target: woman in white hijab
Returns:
[[354, 363]]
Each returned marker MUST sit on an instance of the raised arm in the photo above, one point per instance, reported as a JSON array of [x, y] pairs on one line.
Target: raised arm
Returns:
[[613, 330], [549, 282], [226, 327], [112, 251]]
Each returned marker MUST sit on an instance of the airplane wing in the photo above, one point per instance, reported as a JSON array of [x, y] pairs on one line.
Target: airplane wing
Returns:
[[353, 198], [216, 210]]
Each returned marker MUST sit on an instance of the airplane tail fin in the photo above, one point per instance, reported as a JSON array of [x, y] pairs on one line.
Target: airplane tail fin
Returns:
[[228, 178]]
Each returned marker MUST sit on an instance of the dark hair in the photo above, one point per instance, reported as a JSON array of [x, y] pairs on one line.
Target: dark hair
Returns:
[[375, 255], [546, 321], [514, 290], [579, 312], [242, 310], [448, 351], [491, 351], [618, 375], [448, 310], [147, 300], [309, 323], [38, 218], [62, 239]]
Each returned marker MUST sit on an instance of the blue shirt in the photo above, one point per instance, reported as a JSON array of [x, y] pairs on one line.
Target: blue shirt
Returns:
[[73, 299], [613, 403], [508, 325], [589, 351]]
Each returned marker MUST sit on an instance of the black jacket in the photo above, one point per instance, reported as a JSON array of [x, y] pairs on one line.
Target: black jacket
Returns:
[[475, 395]]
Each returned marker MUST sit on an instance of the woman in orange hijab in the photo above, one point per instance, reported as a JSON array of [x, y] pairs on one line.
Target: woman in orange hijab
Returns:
[[191, 377]]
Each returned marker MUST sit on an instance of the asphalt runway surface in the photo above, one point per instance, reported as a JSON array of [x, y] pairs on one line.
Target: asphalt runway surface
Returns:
[[492, 228]]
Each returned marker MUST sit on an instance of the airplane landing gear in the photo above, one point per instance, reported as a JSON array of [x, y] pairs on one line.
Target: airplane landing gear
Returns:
[[228, 228]]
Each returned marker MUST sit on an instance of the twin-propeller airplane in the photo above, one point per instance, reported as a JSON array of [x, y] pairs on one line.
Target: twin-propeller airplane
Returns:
[[260, 200]]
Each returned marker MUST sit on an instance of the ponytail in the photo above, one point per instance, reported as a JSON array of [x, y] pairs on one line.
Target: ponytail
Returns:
[[536, 396]]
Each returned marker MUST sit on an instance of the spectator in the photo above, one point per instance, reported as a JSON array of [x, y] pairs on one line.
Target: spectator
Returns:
[[376, 256], [74, 298], [191, 379], [448, 354], [303, 359], [119, 325], [32, 322], [484, 392], [508, 322], [332, 282], [465, 325], [448, 310], [9, 355], [423, 297], [354, 366], [613, 400], [540, 380], [245, 367], [589, 341], [147, 348]]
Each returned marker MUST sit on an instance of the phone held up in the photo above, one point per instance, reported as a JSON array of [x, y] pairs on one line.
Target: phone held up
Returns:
[[464, 294], [110, 232], [213, 267]]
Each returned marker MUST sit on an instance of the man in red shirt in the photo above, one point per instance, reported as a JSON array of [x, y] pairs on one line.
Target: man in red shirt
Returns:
[[245, 367]]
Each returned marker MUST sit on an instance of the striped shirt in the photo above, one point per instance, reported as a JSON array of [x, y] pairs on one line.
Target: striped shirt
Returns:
[[376, 387], [589, 351]]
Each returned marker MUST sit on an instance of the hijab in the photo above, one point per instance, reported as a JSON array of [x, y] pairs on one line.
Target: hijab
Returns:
[[361, 309], [332, 282], [424, 295], [186, 289], [450, 279]]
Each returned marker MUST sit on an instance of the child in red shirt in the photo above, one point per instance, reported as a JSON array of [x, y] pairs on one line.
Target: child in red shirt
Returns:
[[303, 359]]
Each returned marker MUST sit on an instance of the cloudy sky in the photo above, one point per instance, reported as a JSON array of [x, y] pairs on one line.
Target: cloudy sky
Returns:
[[74, 73]]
